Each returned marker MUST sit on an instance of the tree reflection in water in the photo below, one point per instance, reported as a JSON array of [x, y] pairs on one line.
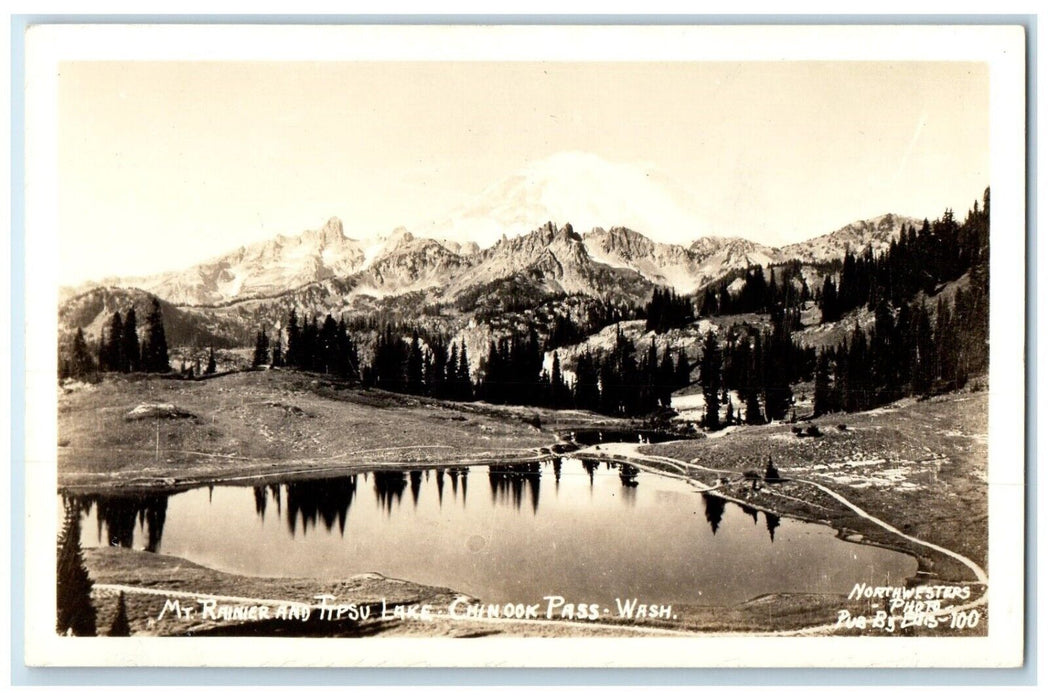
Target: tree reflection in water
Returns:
[[416, 486], [118, 516], [261, 497], [509, 482], [326, 500], [389, 486], [772, 521], [591, 466], [714, 510]]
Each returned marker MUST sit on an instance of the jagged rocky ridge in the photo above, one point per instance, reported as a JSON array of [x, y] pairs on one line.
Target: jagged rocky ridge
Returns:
[[325, 271]]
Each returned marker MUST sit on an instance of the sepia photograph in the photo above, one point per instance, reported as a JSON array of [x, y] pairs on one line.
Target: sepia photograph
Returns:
[[501, 337]]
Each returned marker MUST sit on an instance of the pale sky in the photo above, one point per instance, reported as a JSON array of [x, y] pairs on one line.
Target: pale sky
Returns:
[[163, 165]]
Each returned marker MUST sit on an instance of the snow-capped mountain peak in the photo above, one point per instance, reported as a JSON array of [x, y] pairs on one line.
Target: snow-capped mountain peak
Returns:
[[573, 186]]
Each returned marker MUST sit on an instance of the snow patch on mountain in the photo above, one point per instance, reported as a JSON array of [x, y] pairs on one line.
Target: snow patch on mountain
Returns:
[[582, 188]]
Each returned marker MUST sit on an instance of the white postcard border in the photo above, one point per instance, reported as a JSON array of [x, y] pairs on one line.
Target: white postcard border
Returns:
[[1001, 47]]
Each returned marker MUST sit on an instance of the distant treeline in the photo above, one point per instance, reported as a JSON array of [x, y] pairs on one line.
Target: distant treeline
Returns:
[[760, 366], [614, 383], [407, 360], [906, 352], [312, 345], [757, 294], [918, 261], [119, 349], [415, 367], [667, 310]]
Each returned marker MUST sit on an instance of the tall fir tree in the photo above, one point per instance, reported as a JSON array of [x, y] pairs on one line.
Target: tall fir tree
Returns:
[[130, 343], [822, 398], [667, 378], [154, 351], [81, 363], [710, 376], [277, 356], [683, 370], [587, 382], [751, 388], [211, 365], [111, 351], [261, 355], [464, 390], [414, 366], [293, 355], [76, 613]]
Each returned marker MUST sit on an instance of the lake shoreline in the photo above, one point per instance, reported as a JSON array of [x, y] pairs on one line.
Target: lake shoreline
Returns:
[[268, 424]]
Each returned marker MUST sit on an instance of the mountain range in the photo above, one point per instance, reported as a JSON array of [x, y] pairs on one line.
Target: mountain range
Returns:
[[224, 301], [522, 253], [570, 262]]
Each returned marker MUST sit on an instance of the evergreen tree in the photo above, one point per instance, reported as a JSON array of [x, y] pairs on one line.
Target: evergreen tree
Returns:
[[609, 389], [771, 474], [779, 367], [414, 366], [710, 376], [131, 351], [121, 626], [683, 370], [81, 364], [111, 349], [857, 397], [210, 362], [309, 357], [822, 398], [667, 378], [261, 349], [452, 372], [751, 389], [464, 386], [326, 350], [277, 356], [829, 304], [587, 378], [292, 357], [76, 613], [924, 349], [558, 390], [154, 352]]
